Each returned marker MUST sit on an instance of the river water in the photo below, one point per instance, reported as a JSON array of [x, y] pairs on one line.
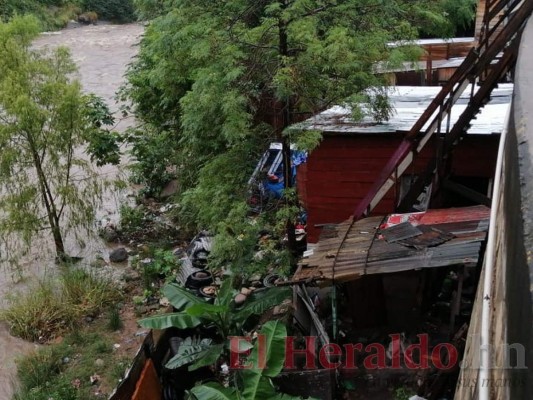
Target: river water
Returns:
[[102, 53]]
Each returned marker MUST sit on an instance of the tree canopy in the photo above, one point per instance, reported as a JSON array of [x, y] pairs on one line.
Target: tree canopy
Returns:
[[47, 183], [220, 80]]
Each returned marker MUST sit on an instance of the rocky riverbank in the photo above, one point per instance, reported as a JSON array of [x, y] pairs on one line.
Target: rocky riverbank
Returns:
[[102, 53]]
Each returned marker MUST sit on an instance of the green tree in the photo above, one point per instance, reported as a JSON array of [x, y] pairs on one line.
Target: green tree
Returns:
[[226, 78], [48, 130], [113, 10], [461, 13]]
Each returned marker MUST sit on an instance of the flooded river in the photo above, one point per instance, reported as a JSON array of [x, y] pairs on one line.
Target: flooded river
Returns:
[[102, 53]]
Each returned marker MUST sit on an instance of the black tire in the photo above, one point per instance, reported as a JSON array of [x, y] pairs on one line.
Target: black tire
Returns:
[[270, 279], [199, 279]]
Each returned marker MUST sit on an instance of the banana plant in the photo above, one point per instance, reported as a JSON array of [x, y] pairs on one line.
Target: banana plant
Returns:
[[194, 311], [254, 383]]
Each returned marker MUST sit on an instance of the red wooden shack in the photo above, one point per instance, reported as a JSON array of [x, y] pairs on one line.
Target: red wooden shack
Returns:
[[438, 60], [340, 171]]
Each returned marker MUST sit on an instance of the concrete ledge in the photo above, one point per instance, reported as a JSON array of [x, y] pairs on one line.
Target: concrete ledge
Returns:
[[518, 170]]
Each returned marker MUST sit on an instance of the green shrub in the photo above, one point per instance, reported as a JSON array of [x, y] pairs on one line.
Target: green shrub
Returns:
[[115, 322], [153, 153], [38, 313], [53, 14], [51, 371], [41, 367], [10, 7], [164, 263], [158, 264], [53, 306], [112, 10], [40, 375], [87, 293], [132, 219], [61, 389]]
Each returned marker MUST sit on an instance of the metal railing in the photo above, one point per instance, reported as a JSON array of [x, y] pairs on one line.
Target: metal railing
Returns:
[[494, 55]]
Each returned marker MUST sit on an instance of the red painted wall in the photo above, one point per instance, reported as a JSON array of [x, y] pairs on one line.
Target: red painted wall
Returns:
[[341, 170]]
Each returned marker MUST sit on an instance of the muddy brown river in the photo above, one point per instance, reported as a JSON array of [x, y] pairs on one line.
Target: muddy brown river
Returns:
[[102, 53]]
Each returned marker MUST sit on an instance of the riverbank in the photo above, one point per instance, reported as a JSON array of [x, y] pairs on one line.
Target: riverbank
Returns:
[[102, 53], [56, 14]]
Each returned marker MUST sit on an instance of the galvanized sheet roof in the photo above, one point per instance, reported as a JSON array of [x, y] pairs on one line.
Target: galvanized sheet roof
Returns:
[[409, 103], [429, 42], [357, 249]]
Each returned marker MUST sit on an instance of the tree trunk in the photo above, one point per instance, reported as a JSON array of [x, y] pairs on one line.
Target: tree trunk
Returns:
[[286, 146], [58, 241], [51, 210]]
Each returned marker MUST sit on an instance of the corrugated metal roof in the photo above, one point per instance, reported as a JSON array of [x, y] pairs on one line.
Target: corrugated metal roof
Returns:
[[358, 248], [454, 62], [404, 230], [429, 42], [409, 103], [429, 237]]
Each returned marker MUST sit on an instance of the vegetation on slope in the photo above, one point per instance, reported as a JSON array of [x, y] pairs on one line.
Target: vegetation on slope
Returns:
[[65, 371], [216, 82], [55, 14], [55, 305]]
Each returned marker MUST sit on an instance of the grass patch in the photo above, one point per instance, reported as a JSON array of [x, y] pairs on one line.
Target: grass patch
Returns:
[[38, 369], [114, 322], [62, 371], [53, 306]]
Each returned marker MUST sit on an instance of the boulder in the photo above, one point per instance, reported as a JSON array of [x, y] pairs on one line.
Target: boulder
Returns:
[[239, 299], [89, 17], [118, 255], [131, 275], [109, 234], [98, 262]]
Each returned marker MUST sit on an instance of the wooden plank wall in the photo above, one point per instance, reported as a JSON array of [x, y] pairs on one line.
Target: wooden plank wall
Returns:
[[480, 13], [445, 51], [339, 173], [476, 156]]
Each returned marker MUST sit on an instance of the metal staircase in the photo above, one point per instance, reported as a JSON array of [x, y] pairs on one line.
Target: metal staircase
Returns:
[[483, 67]]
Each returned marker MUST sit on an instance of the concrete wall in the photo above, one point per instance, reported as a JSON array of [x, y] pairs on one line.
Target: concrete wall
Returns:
[[511, 299]]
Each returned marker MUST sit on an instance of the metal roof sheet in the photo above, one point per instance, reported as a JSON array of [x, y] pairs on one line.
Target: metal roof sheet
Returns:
[[429, 237], [429, 42], [409, 102], [356, 249], [404, 230]]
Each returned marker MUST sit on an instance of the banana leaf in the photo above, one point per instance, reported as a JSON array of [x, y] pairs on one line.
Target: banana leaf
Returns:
[[213, 391], [257, 384], [260, 303], [180, 320], [201, 310], [180, 297], [199, 353]]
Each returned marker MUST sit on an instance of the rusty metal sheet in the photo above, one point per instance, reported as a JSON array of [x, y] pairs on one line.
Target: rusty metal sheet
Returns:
[[429, 237], [400, 232], [454, 236]]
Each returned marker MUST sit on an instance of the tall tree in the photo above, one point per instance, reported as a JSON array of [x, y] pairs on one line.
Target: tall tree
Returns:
[[225, 78], [47, 183]]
